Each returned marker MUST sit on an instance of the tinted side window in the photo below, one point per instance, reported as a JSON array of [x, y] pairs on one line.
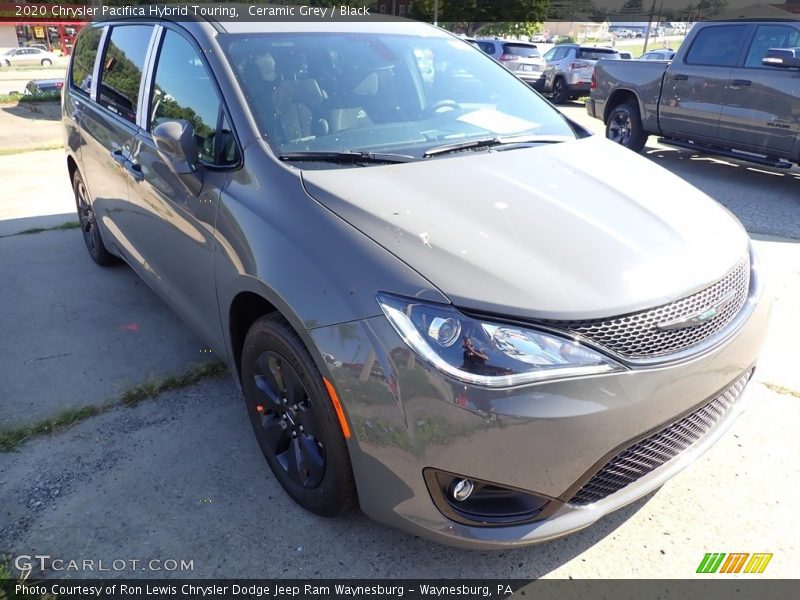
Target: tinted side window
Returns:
[[487, 47], [770, 36], [183, 90], [122, 69], [83, 58], [717, 46]]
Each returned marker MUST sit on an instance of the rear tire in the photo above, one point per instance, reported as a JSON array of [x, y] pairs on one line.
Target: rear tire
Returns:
[[624, 126], [294, 421], [560, 94], [89, 226], [46, 62]]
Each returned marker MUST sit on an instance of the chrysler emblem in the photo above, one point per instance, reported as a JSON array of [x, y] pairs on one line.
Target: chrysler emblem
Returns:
[[701, 316]]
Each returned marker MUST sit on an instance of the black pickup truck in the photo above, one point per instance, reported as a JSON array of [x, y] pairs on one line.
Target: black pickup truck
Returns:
[[732, 89]]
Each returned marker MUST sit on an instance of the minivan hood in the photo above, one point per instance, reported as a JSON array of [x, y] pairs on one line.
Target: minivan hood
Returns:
[[574, 230]]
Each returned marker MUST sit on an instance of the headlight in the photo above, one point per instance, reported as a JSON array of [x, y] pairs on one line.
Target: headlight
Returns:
[[488, 354]]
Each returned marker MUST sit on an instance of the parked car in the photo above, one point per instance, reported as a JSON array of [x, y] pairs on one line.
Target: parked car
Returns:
[[521, 58], [442, 301], [668, 54], [625, 55], [44, 86], [717, 96], [18, 57], [539, 38], [569, 70], [39, 47]]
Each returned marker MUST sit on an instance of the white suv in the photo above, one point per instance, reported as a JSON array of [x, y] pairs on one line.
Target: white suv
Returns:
[[521, 58]]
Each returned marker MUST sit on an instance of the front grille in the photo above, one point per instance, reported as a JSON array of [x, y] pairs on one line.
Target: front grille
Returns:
[[637, 335], [650, 453]]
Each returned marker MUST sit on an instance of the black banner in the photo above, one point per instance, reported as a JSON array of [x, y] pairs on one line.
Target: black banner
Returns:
[[710, 588], [665, 12]]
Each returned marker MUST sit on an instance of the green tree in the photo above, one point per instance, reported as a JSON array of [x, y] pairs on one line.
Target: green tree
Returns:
[[471, 16]]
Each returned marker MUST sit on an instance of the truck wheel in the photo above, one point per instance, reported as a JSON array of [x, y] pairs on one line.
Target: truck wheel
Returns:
[[624, 126], [559, 91]]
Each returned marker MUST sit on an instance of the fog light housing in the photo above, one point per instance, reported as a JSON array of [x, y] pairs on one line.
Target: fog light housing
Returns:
[[461, 489], [476, 502]]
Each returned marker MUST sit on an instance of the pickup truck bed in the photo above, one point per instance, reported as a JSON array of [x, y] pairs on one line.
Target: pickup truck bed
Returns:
[[718, 95]]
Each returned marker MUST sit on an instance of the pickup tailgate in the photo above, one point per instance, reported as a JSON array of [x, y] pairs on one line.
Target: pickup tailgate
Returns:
[[642, 77]]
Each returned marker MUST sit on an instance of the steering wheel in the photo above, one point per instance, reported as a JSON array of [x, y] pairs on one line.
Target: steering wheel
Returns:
[[440, 106]]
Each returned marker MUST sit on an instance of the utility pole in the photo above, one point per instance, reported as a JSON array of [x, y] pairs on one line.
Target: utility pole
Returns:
[[436, 12], [649, 24]]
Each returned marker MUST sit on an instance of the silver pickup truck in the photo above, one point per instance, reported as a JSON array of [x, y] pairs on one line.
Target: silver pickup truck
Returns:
[[732, 89]]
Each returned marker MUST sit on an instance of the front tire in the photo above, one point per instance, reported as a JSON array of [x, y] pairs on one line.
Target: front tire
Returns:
[[89, 226], [46, 62], [294, 420], [624, 126]]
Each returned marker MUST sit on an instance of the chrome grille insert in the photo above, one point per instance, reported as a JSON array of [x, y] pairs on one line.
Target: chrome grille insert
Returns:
[[652, 452], [637, 335]]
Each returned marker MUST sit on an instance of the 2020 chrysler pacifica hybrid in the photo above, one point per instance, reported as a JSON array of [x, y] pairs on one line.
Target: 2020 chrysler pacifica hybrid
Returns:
[[440, 304]]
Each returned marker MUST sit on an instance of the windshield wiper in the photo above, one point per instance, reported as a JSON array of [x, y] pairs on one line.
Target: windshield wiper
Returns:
[[348, 157], [494, 141]]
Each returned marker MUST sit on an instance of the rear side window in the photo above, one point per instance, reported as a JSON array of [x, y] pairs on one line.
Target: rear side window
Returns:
[[183, 90], [597, 53], [717, 46], [524, 50], [123, 63], [83, 58]]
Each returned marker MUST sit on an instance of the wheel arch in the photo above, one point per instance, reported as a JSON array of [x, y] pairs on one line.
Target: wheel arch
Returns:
[[72, 167], [620, 96], [253, 300]]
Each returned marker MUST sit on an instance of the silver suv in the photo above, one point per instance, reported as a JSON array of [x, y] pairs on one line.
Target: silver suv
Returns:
[[521, 58], [569, 70]]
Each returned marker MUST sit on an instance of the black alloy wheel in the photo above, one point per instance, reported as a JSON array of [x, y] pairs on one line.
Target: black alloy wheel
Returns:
[[89, 227], [289, 427], [624, 126], [295, 423]]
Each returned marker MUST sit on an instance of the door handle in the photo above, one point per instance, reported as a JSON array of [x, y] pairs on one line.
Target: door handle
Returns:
[[680, 77], [119, 158], [134, 170], [742, 82]]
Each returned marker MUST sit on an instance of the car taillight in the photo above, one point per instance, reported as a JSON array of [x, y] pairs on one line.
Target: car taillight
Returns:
[[59, 84], [594, 82], [578, 65], [505, 57]]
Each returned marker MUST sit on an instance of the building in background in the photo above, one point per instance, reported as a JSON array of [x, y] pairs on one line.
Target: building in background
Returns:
[[55, 36]]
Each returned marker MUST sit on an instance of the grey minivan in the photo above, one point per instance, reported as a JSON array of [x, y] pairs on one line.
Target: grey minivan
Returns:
[[439, 305]]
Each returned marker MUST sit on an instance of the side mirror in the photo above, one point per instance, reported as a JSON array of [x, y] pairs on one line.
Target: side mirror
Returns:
[[177, 145], [786, 58]]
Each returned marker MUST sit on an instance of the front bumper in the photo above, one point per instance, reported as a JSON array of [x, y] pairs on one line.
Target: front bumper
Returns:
[[547, 438]]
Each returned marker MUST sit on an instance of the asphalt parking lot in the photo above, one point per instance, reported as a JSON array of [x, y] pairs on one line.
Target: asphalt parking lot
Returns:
[[177, 474]]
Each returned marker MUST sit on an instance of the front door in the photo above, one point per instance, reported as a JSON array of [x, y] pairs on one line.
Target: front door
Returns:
[[694, 87], [173, 217], [762, 107]]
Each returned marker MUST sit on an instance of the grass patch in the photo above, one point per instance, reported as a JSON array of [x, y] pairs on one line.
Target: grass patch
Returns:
[[11, 439], [30, 98], [53, 146], [780, 389], [59, 227], [154, 387]]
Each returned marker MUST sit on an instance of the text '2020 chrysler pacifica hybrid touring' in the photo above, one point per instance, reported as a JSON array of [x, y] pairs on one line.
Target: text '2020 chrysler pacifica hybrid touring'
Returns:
[[438, 303]]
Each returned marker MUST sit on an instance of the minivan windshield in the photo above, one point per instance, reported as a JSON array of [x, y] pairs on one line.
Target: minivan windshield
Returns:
[[383, 93]]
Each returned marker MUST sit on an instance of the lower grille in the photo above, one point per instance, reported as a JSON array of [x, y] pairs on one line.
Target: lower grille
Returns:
[[652, 452]]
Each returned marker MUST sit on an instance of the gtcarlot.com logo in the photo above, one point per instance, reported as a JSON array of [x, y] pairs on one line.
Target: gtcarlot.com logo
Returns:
[[736, 562]]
